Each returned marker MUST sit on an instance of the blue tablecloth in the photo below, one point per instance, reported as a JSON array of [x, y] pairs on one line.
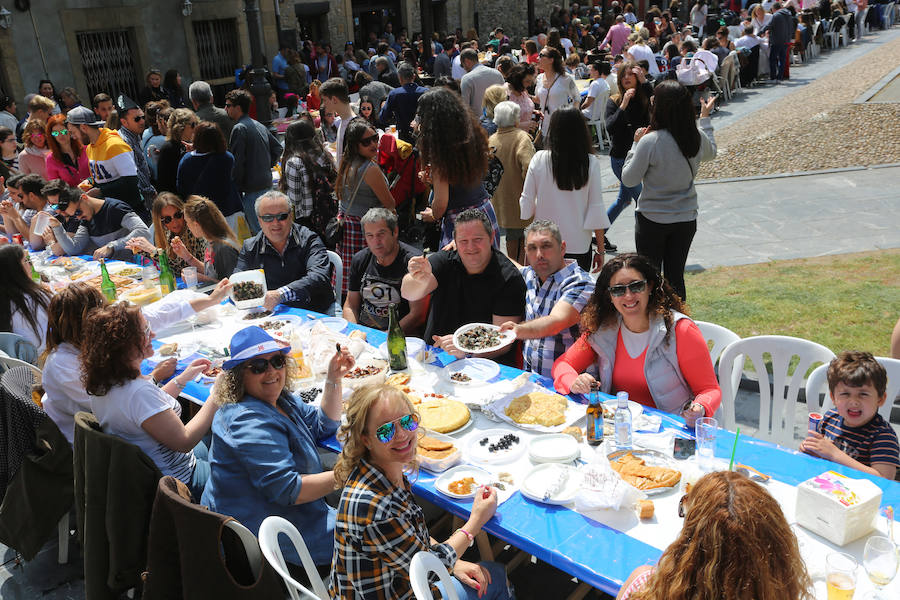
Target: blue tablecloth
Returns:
[[592, 552]]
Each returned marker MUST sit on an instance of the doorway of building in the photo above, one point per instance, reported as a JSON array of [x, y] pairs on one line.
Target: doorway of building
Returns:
[[371, 16]]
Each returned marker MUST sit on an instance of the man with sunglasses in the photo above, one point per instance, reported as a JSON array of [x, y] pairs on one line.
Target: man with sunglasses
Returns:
[[106, 224], [557, 291], [294, 259], [111, 160], [27, 193], [133, 124]]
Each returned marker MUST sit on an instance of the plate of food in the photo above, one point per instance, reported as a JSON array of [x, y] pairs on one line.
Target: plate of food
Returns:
[[463, 481], [482, 338], [471, 371], [610, 406], [535, 408], [437, 452], [248, 288], [650, 471], [444, 415], [552, 483], [124, 269], [495, 446], [69, 263], [280, 325], [364, 374]]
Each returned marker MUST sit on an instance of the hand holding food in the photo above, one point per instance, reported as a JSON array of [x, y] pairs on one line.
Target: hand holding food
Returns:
[[195, 368], [164, 370], [140, 244], [179, 248], [484, 505], [427, 215], [102, 252]]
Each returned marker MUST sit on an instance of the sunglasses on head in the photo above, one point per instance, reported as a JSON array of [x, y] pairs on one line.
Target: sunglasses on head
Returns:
[[179, 214], [681, 506], [386, 432], [258, 366], [635, 287], [368, 141], [269, 218], [59, 133]]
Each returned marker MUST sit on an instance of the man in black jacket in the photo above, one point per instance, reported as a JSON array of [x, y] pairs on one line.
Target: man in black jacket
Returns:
[[781, 33], [294, 259]]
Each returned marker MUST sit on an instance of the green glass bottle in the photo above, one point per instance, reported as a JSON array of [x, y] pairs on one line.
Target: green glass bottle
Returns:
[[35, 276], [106, 284], [166, 279], [396, 342]]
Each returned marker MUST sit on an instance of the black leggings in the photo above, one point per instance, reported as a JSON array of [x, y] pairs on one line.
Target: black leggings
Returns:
[[667, 246]]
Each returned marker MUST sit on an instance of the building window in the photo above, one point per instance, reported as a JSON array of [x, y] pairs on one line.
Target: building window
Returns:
[[217, 48], [107, 59]]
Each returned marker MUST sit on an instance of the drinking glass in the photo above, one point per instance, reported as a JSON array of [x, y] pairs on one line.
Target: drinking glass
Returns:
[[841, 576], [189, 275], [880, 560], [705, 432]]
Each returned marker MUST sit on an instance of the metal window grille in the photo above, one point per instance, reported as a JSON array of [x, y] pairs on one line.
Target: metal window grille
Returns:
[[217, 48], [108, 63]]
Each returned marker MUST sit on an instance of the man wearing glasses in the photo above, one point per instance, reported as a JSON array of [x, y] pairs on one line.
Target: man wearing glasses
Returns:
[[106, 223], [133, 125], [110, 158], [294, 259]]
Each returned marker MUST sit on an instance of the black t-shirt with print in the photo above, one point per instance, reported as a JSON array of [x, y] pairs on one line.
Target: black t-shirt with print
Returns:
[[379, 286]]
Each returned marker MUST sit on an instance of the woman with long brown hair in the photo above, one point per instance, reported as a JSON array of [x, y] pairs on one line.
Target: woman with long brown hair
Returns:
[[67, 159], [735, 543], [555, 89], [169, 232], [454, 148], [206, 222], [23, 303], [33, 159]]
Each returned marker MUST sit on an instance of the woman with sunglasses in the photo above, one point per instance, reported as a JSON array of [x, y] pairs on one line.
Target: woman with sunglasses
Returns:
[[555, 89], [130, 406], [179, 135], [170, 234], [264, 456], [735, 543], [360, 186], [68, 158], [636, 333], [379, 526], [33, 159]]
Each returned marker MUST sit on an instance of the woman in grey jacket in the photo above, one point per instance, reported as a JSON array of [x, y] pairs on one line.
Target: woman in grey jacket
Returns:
[[664, 159]]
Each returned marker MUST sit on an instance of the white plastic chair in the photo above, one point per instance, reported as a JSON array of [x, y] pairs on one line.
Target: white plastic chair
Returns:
[[817, 387], [251, 546], [862, 28], [271, 527], [338, 266], [721, 337], [840, 23], [776, 410], [422, 564], [8, 362], [598, 108], [830, 35]]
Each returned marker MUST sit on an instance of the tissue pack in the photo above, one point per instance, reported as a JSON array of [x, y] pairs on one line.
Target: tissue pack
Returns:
[[836, 507]]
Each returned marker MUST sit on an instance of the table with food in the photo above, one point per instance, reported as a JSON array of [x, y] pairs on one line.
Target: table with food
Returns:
[[593, 511]]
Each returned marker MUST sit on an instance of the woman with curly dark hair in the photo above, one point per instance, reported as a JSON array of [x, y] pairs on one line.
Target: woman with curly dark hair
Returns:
[[130, 406], [735, 543], [635, 331], [23, 303], [454, 148]]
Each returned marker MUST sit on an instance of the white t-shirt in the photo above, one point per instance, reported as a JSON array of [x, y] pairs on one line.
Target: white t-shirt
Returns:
[[21, 325], [598, 90], [456, 69], [567, 45], [122, 411], [747, 41], [64, 393], [643, 52]]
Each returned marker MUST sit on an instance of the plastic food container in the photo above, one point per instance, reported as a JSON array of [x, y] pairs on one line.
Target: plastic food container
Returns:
[[141, 296], [439, 465], [254, 276]]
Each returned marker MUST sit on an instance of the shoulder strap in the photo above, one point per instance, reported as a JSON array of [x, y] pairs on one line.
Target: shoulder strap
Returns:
[[359, 178]]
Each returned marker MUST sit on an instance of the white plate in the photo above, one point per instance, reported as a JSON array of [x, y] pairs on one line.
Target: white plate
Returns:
[[477, 452], [506, 338], [480, 370], [636, 409], [542, 477], [439, 465], [291, 322], [415, 348], [336, 324], [574, 411], [480, 476], [554, 448]]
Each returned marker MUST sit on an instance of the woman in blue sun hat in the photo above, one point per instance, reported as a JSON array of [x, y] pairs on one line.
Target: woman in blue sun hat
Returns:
[[263, 458]]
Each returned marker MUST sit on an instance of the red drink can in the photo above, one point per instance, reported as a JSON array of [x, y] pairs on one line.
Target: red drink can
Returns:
[[17, 239], [814, 420]]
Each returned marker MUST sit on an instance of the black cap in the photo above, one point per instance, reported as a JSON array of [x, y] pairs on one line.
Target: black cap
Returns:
[[124, 103]]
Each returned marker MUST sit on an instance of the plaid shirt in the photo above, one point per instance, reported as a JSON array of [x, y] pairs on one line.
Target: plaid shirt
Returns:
[[299, 185], [378, 530], [572, 285]]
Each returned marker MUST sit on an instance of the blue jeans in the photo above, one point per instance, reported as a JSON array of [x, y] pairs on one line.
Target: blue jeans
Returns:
[[248, 201], [201, 470], [497, 590], [626, 194], [777, 59]]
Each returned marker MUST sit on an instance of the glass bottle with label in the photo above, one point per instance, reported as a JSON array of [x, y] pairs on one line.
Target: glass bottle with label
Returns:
[[622, 420], [107, 287], [595, 417], [166, 279], [396, 342]]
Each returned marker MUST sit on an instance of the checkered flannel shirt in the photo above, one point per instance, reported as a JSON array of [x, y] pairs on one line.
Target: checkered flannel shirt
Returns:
[[378, 530], [299, 185], [572, 285]]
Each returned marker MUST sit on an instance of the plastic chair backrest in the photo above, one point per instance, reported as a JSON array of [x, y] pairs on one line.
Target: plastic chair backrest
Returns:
[[422, 564], [776, 410], [271, 527], [819, 400], [16, 346], [721, 337], [7, 363], [251, 546], [338, 266]]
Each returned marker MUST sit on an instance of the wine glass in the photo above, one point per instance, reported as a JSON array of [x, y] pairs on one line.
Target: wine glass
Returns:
[[880, 560]]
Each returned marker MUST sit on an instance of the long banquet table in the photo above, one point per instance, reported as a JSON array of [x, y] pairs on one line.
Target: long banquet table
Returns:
[[604, 554]]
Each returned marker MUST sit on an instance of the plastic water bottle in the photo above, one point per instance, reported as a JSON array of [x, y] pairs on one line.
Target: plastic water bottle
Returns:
[[622, 420]]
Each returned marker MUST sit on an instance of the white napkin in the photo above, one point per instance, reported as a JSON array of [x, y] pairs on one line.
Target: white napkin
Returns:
[[648, 423], [661, 442], [603, 488]]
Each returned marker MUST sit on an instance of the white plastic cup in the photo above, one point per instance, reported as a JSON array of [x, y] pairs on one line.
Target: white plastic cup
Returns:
[[40, 223], [189, 275], [393, 130], [150, 276], [705, 432]]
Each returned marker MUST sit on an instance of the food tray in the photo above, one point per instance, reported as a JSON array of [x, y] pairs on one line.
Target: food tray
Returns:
[[537, 480], [506, 338], [378, 377], [574, 411], [652, 458], [254, 276], [477, 452], [439, 465], [481, 477]]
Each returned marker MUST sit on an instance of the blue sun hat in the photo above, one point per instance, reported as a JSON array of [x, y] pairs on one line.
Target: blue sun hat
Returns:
[[251, 342]]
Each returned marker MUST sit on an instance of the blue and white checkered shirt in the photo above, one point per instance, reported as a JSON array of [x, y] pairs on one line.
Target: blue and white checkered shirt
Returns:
[[572, 285]]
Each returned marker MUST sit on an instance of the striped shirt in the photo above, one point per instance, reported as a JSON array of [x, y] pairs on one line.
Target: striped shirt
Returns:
[[378, 530], [874, 442], [572, 285]]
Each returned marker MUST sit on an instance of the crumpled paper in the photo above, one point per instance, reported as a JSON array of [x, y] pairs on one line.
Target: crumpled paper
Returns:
[[319, 347], [603, 488]]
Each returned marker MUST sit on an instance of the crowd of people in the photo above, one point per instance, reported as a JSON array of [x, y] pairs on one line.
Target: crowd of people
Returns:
[[502, 144]]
